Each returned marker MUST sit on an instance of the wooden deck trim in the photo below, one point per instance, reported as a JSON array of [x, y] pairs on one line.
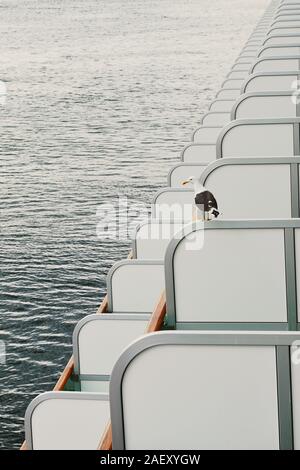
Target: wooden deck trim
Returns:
[[155, 324]]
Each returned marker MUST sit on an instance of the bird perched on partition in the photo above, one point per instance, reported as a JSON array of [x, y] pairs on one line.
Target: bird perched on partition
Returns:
[[205, 201]]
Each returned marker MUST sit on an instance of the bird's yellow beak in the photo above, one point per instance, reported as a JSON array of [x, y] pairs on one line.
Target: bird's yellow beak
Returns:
[[183, 183]]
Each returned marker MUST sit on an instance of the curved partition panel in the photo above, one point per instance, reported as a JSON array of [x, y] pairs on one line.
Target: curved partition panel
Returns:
[[267, 81], [279, 30], [200, 153], [66, 421], [282, 64], [247, 179], [287, 50], [215, 119], [98, 341], [173, 203], [248, 287], [221, 105], [182, 171], [265, 105], [133, 286], [206, 135], [235, 392], [152, 238], [251, 138], [228, 94], [282, 39]]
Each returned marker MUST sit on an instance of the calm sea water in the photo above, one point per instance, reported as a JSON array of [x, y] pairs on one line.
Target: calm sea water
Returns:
[[102, 96]]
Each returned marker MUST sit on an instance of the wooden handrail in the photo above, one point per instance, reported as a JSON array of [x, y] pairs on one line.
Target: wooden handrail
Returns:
[[157, 318], [106, 439], [155, 324]]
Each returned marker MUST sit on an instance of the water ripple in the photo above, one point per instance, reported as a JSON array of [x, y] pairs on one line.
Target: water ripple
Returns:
[[102, 96]]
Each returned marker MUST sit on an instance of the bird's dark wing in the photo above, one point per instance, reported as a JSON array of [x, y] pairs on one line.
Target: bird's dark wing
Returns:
[[206, 200]]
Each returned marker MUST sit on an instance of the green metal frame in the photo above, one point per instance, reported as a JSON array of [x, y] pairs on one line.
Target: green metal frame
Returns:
[[281, 341], [288, 226]]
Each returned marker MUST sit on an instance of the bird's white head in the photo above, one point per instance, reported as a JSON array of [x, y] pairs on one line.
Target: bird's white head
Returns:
[[198, 187]]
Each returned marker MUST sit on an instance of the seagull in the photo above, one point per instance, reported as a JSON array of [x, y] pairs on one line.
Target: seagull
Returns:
[[204, 199]]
